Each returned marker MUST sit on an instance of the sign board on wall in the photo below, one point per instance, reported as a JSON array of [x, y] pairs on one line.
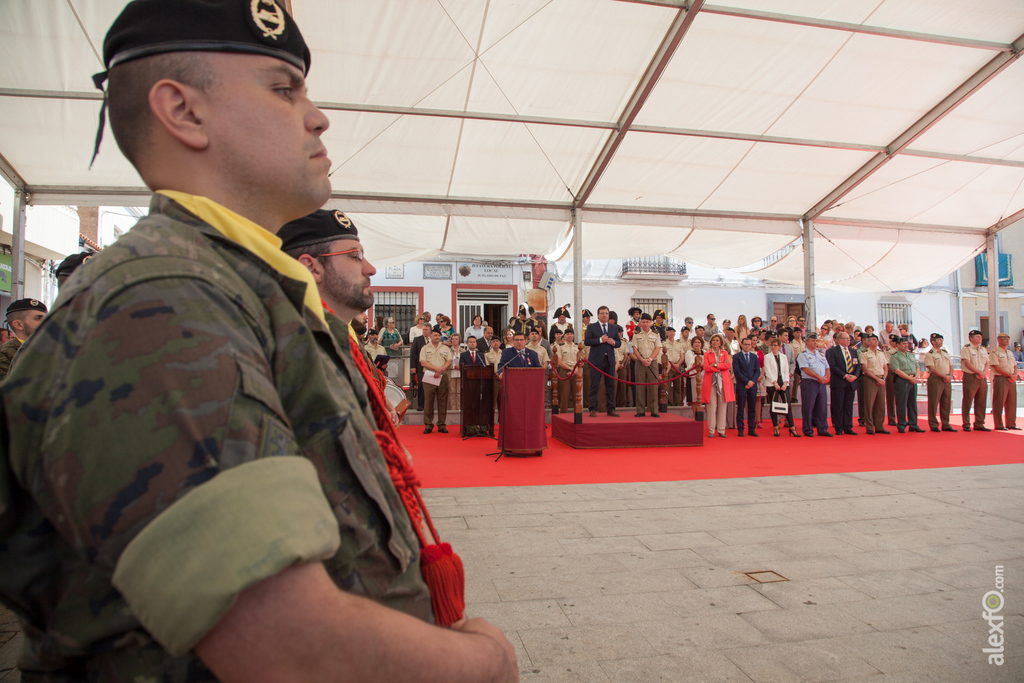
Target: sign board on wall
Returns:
[[395, 273], [497, 273], [437, 271], [5, 273]]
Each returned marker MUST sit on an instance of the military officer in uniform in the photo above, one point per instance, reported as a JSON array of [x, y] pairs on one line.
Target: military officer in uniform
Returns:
[[206, 497], [561, 323], [565, 357], [904, 365], [940, 382], [647, 358], [1004, 385], [524, 323], [23, 317], [436, 359], [814, 396], [673, 350], [974, 362], [874, 367], [537, 347]]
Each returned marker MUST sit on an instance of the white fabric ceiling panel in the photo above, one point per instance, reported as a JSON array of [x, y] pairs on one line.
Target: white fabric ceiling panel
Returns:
[[737, 75], [51, 141], [519, 161], [503, 236], [670, 171], [725, 249], [989, 124], [930, 261], [393, 239], [994, 20], [398, 155], [588, 74], [930, 191], [786, 179], [42, 46], [876, 87], [611, 241]]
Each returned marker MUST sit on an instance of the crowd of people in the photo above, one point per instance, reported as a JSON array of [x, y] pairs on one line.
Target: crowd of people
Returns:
[[731, 373]]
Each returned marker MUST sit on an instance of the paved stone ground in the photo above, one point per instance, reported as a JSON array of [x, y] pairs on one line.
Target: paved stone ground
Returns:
[[642, 582], [885, 574]]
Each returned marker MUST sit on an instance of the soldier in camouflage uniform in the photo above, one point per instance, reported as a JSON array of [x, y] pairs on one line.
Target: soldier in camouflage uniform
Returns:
[[189, 468], [23, 317]]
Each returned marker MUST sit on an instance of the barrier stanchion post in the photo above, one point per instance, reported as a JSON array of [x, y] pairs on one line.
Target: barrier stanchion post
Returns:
[[698, 403], [578, 417], [554, 389], [663, 387]]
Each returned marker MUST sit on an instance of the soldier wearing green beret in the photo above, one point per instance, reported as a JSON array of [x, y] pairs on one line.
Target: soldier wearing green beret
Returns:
[[191, 488], [23, 317]]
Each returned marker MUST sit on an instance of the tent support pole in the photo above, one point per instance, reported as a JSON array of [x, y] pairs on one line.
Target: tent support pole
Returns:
[[993, 291], [809, 303], [577, 268], [18, 245]]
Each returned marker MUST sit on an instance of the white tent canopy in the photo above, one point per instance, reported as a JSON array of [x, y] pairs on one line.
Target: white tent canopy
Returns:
[[710, 133]]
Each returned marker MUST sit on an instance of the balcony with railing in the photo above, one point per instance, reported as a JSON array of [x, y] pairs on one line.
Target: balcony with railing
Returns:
[[653, 268]]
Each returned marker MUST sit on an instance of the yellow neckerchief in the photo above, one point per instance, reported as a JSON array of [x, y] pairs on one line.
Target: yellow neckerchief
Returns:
[[259, 241]]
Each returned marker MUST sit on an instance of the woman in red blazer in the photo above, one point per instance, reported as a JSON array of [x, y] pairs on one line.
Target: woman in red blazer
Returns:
[[718, 389]]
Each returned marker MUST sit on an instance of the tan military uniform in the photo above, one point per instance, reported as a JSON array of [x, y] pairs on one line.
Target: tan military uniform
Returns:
[[567, 355], [437, 356], [541, 352], [939, 366], [647, 345], [493, 358], [375, 350], [676, 353], [975, 388], [874, 362], [1004, 389]]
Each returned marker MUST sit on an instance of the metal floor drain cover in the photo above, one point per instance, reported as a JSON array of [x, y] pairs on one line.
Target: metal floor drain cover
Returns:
[[766, 576]]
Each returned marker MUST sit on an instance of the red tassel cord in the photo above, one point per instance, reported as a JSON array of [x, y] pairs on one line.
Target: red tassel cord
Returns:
[[441, 568]]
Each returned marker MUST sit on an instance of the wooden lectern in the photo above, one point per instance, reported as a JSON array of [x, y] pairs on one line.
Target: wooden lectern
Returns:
[[477, 401], [521, 430]]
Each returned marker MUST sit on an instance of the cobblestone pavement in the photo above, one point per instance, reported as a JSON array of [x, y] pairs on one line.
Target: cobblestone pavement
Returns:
[[873, 577]]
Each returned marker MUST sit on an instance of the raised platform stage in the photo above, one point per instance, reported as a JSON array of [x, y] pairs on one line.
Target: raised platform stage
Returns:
[[627, 431]]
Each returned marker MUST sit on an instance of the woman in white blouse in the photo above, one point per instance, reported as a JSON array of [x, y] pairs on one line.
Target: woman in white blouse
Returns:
[[776, 380]]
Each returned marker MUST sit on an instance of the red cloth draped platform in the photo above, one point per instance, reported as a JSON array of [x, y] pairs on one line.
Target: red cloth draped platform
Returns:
[[627, 431]]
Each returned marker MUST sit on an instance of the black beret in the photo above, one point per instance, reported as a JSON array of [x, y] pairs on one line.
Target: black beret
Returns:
[[68, 265], [894, 338], [435, 328], [317, 228], [936, 335], [151, 27], [900, 340], [811, 336], [26, 305], [646, 316]]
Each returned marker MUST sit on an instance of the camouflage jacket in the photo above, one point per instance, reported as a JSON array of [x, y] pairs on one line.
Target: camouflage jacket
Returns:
[[179, 428], [8, 350]]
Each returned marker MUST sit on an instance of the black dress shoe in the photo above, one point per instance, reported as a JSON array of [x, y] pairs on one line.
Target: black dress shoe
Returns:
[[655, 414], [893, 423], [966, 428], [639, 414], [741, 435], [1002, 429], [882, 431], [442, 429], [754, 434], [1014, 429], [850, 432], [593, 413], [428, 429], [613, 414], [916, 429], [901, 430], [982, 429], [949, 429], [935, 429], [870, 433], [826, 434]]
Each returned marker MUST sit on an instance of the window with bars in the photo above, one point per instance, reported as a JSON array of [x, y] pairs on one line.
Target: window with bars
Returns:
[[650, 306], [896, 312], [398, 305]]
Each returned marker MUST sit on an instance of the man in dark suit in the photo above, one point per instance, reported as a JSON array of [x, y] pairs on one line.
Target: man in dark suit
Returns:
[[518, 356], [603, 338], [414, 359], [844, 368], [472, 355], [747, 371]]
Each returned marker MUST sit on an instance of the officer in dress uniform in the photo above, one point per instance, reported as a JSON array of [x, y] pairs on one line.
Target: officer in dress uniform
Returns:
[[940, 382], [561, 323], [1004, 385], [674, 350], [974, 362], [813, 396], [659, 324], [647, 358], [565, 357]]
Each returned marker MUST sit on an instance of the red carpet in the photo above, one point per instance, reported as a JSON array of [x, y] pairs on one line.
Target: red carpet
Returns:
[[445, 460]]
